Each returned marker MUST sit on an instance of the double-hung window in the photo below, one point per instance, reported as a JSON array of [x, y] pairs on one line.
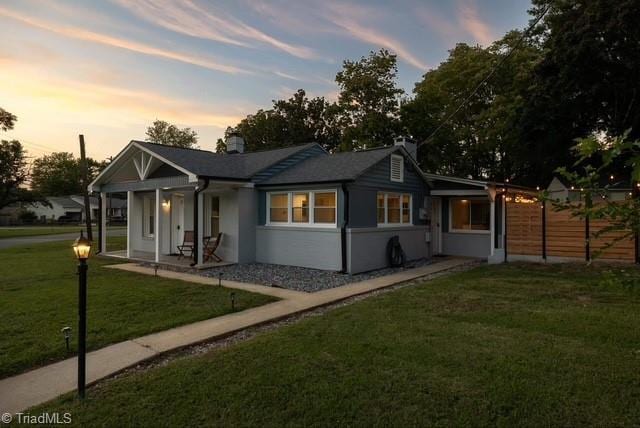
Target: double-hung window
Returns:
[[302, 208], [148, 215], [394, 209]]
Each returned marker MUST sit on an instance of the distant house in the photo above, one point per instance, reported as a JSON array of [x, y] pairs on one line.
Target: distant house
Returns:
[[62, 209], [560, 190]]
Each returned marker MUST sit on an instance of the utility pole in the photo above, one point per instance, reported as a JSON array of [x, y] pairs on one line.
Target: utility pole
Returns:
[[85, 191]]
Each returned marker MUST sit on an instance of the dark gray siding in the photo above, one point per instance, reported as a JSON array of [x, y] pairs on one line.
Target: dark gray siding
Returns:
[[165, 170], [363, 193], [287, 163]]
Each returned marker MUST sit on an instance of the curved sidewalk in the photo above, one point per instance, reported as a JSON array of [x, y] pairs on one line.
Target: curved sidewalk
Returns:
[[20, 392]]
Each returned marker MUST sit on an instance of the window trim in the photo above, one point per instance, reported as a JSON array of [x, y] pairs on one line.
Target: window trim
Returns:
[[467, 231], [312, 206], [401, 159], [386, 209]]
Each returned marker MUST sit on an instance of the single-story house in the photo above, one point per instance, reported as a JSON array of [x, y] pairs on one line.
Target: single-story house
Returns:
[[296, 206], [62, 208]]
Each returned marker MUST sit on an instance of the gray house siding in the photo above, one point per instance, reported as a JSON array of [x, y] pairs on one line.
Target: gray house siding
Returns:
[[463, 244], [317, 248], [367, 247], [363, 193]]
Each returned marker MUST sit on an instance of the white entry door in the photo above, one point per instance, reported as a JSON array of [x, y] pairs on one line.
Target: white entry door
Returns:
[[436, 226], [177, 221]]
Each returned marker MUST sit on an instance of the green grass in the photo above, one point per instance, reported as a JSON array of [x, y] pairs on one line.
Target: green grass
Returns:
[[22, 231], [504, 345], [38, 296]]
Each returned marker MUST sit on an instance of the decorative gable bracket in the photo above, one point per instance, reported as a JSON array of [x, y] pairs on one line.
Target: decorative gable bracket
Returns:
[[144, 165]]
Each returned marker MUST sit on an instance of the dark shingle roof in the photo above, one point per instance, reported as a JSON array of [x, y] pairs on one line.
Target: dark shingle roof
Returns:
[[241, 166], [345, 166]]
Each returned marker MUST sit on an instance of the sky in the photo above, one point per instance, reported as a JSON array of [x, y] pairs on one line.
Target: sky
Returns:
[[107, 69]]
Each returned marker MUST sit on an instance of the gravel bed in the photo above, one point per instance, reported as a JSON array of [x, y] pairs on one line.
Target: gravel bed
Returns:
[[298, 278]]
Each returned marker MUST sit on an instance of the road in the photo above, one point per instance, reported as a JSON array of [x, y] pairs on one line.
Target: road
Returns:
[[26, 240]]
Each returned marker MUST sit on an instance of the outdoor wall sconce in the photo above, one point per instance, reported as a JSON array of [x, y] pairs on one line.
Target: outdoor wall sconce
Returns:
[[166, 203]]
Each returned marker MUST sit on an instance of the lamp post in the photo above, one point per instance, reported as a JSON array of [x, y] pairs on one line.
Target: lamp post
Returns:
[[82, 249]]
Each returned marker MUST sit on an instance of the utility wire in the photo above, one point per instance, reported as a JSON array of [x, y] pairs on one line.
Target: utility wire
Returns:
[[488, 76]]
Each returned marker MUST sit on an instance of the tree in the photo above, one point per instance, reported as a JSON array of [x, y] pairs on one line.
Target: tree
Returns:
[[162, 132], [596, 156], [482, 138], [297, 120], [589, 78], [7, 120], [59, 174], [369, 100], [13, 174], [221, 146]]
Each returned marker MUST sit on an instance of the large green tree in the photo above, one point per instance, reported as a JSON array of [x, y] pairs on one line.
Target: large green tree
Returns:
[[369, 100], [59, 174], [296, 120], [162, 132], [481, 139], [589, 78]]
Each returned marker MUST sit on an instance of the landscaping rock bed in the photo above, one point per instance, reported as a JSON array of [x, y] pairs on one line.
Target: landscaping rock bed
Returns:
[[298, 278]]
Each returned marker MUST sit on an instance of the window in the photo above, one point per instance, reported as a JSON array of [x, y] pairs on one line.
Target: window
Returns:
[[324, 207], [394, 209], [397, 168], [215, 216], [300, 208], [279, 207], [470, 215], [307, 208], [381, 209], [148, 215]]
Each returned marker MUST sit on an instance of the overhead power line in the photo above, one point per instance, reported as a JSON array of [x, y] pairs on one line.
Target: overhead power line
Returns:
[[488, 76]]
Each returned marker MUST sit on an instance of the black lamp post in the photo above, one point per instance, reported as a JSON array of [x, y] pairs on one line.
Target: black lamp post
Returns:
[[82, 249]]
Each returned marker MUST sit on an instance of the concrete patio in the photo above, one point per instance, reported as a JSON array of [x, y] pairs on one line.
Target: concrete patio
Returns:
[[165, 260]]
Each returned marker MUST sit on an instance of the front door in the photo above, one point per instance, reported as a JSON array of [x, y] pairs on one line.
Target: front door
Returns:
[[177, 221], [436, 226]]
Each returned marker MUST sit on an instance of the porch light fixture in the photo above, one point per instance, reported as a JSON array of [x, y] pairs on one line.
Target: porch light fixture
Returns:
[[166, 203], [82, 250]]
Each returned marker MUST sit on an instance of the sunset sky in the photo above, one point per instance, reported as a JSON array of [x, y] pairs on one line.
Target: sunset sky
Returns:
[[108, 68]]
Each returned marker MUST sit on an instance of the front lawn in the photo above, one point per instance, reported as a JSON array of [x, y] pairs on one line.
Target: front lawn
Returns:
[[500, 345], [38, 297], [22, 231]]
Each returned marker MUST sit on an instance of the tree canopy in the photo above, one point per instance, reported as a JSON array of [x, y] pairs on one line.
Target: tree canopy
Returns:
[[162, 132], [60, 174]]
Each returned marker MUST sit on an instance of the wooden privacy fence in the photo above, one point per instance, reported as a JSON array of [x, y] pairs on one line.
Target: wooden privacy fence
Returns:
[[563, 235]]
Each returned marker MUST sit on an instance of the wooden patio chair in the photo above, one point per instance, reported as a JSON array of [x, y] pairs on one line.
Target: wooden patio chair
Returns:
[[210, 247], [188, 242]]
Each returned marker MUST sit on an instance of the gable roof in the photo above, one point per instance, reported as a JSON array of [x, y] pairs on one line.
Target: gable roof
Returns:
[[337, 167], [240, 166], [64, 202]]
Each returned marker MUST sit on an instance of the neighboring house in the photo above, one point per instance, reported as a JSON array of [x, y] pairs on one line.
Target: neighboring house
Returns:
[[615, 191], [293, 206], [62, 208]]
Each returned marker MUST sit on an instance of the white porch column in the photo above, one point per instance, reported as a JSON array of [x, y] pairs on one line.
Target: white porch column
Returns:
[[129, 223], [156, 228], [200, 259], [493, 225], [103, 222]]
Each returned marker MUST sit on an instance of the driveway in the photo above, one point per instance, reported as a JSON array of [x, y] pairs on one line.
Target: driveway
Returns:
[[26, 240]]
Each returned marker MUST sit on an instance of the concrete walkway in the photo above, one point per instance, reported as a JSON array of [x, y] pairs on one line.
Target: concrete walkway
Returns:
[[20, 392]]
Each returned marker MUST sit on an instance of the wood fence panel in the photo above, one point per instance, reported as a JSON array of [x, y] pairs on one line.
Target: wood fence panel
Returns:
[[565, 235], [524, 229]]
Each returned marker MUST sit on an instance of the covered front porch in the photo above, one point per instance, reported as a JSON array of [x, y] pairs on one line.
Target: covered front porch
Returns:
[[174, 217]]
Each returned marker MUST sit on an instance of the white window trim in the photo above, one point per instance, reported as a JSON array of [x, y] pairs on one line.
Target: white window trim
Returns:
[[386, 210], [467, 231], [312, 203], [401, 159]]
